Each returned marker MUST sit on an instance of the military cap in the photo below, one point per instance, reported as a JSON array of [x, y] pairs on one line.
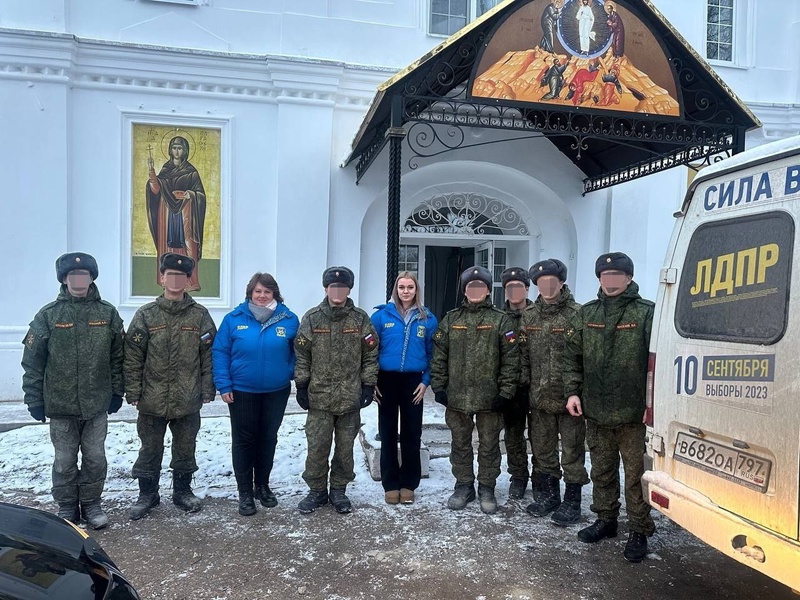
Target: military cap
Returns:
[[613, 261], [341, 275], [549, 266], [177, 262], [75, 260], [515, 274], [476, 274]]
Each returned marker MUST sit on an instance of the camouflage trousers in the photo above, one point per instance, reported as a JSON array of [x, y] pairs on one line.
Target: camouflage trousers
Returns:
[[324, 428], [515, 418], [72, 484], [606, 445], [151, 432], [544, 430], [461, 426]]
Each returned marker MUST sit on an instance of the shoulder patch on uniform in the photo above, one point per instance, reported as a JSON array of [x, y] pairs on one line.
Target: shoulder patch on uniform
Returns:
[[207, 337], [30, 340], [137, 336], [438, 335], [522, 337], [370, 341], [510, 337], [301, 340], [570, 332]]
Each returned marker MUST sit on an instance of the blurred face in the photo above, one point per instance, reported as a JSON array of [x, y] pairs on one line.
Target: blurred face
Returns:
[[174, 282], [549, 287], [516, 292], [406, 291], [261, 295], [337, 294], [613, 283], [78, 282], [476, 292]]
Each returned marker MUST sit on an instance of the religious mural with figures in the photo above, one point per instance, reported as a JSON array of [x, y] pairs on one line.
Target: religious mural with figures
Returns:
[[175, 199], [594, 54]]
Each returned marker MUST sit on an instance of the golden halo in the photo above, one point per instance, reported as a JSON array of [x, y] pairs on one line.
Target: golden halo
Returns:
[[608, 3], [177, 132]]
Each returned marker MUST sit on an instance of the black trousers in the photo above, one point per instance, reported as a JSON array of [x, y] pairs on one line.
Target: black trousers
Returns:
[[398, 391], [255, 420]]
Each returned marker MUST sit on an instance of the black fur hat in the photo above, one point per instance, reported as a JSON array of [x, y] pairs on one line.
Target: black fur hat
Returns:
[[476, 274], [341, 275], [515, 274], [75, 260], [177, 262], [613, 261], [549, 266]]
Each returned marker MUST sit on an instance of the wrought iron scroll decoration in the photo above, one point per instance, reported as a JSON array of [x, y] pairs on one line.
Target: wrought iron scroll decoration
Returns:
[[465, 214]]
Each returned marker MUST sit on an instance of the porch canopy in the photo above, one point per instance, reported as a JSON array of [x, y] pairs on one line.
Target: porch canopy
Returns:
[[610, 83]]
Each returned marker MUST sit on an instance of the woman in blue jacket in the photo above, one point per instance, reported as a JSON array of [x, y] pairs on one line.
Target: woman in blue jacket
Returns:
[[253, 356], [406, 329]]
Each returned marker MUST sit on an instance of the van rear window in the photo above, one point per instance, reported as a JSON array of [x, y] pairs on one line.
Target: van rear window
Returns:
[[735, 281]]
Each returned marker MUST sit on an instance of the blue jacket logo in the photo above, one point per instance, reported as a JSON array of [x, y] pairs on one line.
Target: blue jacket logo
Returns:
[[420, 331], [280, 331]]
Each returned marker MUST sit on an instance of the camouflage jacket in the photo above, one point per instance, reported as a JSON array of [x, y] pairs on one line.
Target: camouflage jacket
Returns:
[[337, 353], [73, 356], [475, 357], [605, 359], [168, 358], [515, 316], [542, 350]]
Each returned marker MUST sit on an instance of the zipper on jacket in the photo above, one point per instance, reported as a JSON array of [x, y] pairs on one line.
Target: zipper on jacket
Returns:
[[405, 343]]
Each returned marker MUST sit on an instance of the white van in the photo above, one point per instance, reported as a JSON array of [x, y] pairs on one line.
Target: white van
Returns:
[[724, 374]]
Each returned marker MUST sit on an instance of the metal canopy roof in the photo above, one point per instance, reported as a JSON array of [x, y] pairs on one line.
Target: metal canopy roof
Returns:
[[608, 146]]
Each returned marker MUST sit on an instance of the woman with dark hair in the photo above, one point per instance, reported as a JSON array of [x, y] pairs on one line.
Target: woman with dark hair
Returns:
[[253, 356], [405, 329]]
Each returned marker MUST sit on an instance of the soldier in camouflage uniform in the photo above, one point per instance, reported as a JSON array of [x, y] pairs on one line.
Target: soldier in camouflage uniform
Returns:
[[168, 375], [543, 327], [474, 374], [516, 285], [73, 374], [335, 374], [605, 371]]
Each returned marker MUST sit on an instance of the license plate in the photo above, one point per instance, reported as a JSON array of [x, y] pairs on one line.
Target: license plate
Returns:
[[729, 463]]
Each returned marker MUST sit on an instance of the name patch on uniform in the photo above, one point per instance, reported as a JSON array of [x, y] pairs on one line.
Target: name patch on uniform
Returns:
[[350, 330], [627, 326], [533, 328], [558, 329], [596, 325], [421, 331], [321, 330], [370, 341], [189, 328], [240, 327], [65, 325], [99, 323], [484, 327], [387, 325], [156, 328], [280, 331], [459, 327], [510, 336]]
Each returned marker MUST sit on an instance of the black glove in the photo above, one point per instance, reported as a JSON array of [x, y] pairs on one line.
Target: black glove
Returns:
[[116, 404], [499, 403], [37, 412], [366, 395], [523, 397], [302, 397], [440, 397]]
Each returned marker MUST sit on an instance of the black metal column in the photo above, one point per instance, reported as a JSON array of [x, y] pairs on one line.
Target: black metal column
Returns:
[[395, 133]]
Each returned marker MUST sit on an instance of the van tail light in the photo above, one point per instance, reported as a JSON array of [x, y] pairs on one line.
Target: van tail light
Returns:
[[660, 500], [649, 393]]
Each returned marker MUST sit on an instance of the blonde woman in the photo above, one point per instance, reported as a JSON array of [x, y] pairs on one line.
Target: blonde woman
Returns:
[[405, 328]]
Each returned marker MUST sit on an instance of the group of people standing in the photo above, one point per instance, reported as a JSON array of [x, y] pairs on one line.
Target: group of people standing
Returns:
[[563, 371]]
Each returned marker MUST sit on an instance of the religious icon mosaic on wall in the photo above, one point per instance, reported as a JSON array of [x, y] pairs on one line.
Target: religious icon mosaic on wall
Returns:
[[594, 54], [175, 200]]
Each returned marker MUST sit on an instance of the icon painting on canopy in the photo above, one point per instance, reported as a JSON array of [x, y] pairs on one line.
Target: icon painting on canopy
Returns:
[[594, 54]]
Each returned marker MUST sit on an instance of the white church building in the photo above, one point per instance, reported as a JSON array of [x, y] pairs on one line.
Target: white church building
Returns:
[[528, 134]]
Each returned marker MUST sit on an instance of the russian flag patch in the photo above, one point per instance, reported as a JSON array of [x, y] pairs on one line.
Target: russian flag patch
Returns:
[[510, 336]]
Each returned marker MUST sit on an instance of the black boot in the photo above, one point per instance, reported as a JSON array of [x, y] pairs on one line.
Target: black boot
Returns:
[[546, 497], [182, 495], [487, 499], [247, 505], [463, 494], [516, 489], [570, 510], [636, 548], [313, 501], [95, 517], [148, 498], [341, 503], [597, 531], [265, 495], [69, 511]]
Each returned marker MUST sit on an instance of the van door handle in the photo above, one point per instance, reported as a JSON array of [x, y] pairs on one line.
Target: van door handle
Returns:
[[668, 275]]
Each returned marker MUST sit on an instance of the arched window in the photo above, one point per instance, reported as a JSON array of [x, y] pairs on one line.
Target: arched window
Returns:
[[466, 214]]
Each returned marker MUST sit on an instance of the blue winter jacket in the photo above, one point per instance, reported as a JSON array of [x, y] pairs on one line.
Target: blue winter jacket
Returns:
[[249, 357], [405, 348]]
